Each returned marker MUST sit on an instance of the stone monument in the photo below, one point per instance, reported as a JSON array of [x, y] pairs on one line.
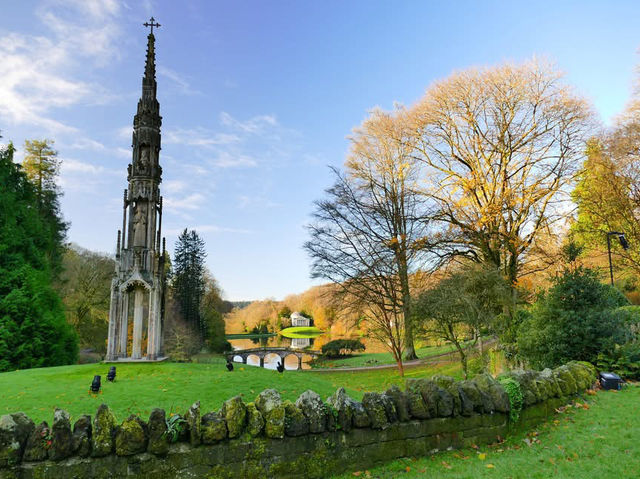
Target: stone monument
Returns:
[[140, 254]]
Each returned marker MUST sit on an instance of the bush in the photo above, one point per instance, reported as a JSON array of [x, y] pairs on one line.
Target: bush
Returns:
[[630, 316], [516, 399], [342, 347], [624, 360], [574, 320]]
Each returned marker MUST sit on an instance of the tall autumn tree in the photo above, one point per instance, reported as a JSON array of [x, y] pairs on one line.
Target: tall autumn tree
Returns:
[[367, 235], [188, 279], [42, 167], [33, 329], [501, 146], [608, 190]]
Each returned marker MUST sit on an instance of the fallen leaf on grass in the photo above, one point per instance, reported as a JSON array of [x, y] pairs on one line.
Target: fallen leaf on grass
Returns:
[[446, 464], [482, 456], [491, 466]]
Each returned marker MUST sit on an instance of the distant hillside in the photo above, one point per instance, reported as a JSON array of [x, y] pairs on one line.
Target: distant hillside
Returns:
[[240, 304]]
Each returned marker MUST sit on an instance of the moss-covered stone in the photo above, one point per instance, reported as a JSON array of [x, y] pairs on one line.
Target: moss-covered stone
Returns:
[[341, 406], [37, 447], [255, 421], [158, 436], [295, 422], [481, 401], [499, 398], [400, 402], [552, 383], [234, 412], [566, 380], [213, 429], [61, 436], [314, 410], [417, 407], [15, 430], [193, 423], [375, 408], [438, 401], [360, 418], [103, 432], [449, 384], [269, 403], [131, 436], [82, 436], [583, 373], [528, 386]]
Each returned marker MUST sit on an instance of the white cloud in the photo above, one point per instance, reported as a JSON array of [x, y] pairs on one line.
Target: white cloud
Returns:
[[255, 125], [174, 186], [193, 201], [37, 70], [87, 144], [179, 80], [198, 137], [70, 165], [227, 159]]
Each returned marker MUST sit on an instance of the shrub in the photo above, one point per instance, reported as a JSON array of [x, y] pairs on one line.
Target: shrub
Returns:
[[574, 320], [630, 316], [623, 360], [516, 399], [342, 347]]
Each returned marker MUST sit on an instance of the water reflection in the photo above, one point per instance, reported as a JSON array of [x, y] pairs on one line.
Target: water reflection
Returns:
[[271, 360]]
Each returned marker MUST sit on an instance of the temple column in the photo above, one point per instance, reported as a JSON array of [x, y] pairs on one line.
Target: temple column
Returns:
[[152, 329], [124, 324], [138, 310], [112, 341]]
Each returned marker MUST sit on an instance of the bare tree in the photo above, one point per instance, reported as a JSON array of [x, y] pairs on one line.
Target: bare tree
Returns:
[[501, 146], [368, 235]]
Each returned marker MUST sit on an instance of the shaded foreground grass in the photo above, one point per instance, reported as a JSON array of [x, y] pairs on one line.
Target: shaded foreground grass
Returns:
[[598, 440], [174, 386]]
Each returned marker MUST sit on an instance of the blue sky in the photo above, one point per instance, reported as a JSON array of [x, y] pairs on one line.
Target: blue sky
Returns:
[[258, 97]]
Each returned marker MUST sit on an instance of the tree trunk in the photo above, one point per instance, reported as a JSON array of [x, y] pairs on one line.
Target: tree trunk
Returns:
[[403, 274], [463, 359]]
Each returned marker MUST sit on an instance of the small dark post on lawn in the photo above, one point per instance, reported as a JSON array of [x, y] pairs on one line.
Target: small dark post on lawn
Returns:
[[95, 384], [623, 242], [111, 375]]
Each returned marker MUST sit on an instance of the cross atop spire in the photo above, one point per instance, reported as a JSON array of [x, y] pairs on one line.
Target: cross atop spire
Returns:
[[151, 23]]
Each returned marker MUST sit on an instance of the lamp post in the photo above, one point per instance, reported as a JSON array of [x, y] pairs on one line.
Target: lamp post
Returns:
[[623, 242]]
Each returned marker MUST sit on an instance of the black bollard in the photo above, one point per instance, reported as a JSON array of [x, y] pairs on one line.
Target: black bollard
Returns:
[[95, 385], [111, 375], [229, 365]]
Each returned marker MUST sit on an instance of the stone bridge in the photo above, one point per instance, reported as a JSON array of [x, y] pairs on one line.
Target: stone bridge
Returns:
[[261, 353]]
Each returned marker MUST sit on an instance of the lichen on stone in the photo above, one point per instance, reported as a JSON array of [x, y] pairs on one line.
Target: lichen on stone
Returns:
[[314, 410], [103, 432], [234, 412], [269, 403], [131, 436], [213, 428]]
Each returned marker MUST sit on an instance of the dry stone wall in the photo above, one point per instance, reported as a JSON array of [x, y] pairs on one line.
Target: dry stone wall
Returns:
[[274, 438]]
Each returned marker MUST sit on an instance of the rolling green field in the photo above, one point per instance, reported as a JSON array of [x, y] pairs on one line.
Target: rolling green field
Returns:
[[598, 440], [175, 386]]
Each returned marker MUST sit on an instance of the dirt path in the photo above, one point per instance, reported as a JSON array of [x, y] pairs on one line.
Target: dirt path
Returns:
[[436, 359]]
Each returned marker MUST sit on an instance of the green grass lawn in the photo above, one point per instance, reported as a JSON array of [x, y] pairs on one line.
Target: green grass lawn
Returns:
[[600, 440], [373, 359], [175, 386]]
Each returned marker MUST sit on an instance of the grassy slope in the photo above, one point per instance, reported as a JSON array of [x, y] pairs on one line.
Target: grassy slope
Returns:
[[372, 359], [602, 441], [173, 387]]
